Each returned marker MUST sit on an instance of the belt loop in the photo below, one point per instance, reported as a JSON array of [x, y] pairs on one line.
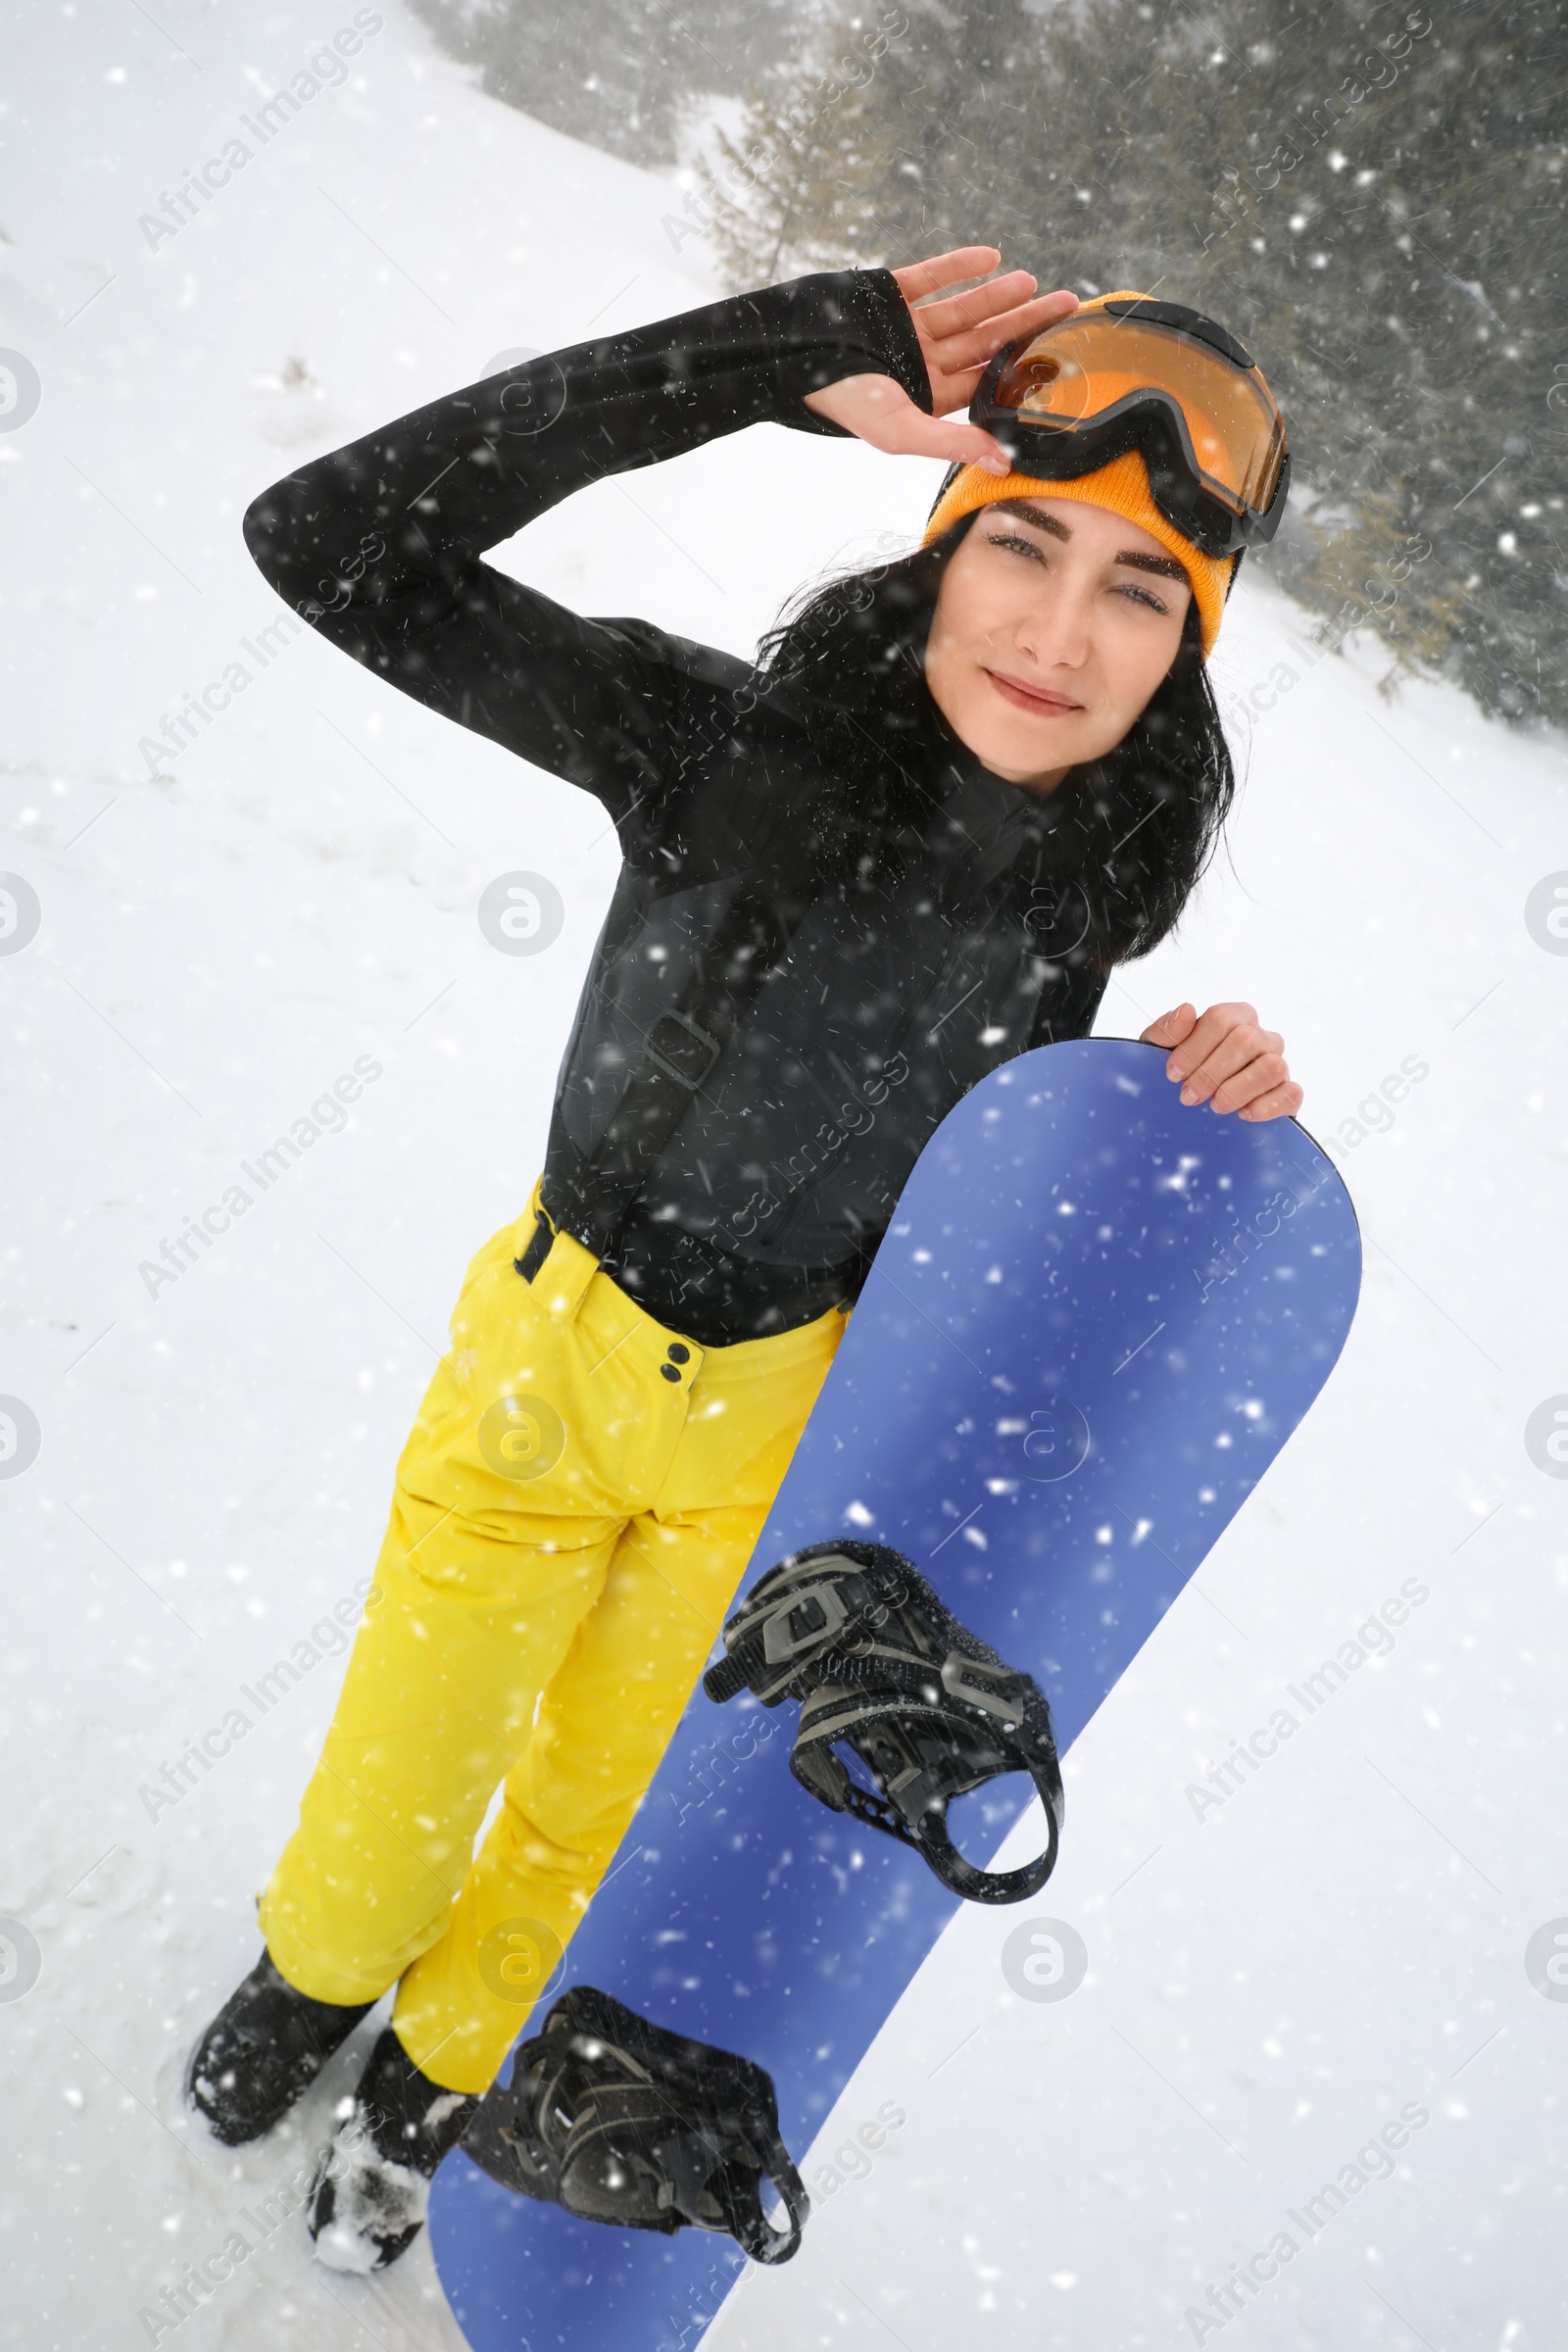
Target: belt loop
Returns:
[[571, 1266], [557, 1268], [564, 1281], [538, 1250]]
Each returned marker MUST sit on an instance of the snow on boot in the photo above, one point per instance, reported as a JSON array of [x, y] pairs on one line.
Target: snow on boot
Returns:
[[266, 2045], [372, 2184]]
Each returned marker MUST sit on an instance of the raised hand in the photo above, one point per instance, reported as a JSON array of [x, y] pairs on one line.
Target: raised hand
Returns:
[[1223, 1058], [959, 337]]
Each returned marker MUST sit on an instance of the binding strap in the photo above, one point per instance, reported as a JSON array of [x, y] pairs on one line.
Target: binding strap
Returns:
[[880, 1667], [619, 2121]]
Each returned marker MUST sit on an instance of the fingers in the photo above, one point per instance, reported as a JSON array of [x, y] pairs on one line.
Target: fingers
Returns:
[[1205, 1034], [973, 337], [1226, 1061], [939, 320], [1233, 1064], [944, 269], [1170, 1029], [1280, 1103], [1257, 1080], [1236, 1050]]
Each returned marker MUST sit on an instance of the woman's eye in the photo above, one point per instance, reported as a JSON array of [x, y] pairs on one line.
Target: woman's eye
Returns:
[[1143, 595], [1015, 539]]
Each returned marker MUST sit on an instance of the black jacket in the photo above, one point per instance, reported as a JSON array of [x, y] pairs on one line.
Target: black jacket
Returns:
[[735, 1174]]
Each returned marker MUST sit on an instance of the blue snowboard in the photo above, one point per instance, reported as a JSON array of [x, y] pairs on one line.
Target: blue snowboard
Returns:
[[1096, 1319]]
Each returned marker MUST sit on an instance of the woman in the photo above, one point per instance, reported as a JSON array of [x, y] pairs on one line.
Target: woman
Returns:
[[909, 843]]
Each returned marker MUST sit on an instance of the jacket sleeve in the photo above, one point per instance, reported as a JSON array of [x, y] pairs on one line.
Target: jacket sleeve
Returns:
[[379, 544]]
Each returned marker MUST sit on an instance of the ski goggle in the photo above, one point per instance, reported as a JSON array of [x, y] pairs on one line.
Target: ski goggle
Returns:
[[1132, 374]]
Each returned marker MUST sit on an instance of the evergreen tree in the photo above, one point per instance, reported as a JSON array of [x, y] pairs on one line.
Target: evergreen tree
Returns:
[[1371, 197], [808, 183], [618, 74]]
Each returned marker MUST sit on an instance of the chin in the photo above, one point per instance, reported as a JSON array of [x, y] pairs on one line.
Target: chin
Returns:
[[1036, 748]]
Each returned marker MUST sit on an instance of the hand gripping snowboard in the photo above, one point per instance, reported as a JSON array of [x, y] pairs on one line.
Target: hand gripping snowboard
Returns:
[[1096, 1318]]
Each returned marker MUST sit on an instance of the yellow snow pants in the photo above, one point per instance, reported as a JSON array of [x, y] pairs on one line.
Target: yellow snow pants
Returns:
[[571, 1516]]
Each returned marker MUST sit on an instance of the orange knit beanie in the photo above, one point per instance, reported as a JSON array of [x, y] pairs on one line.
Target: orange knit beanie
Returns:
[[1122, 487]]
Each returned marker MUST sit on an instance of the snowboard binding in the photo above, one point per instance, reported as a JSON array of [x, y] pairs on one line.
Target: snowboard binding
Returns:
[[854, 1632], [616, 2120]]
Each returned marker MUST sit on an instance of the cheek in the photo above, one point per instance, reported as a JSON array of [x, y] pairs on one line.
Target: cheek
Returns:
[[1135, 658], [972, 611], [1129, 657], [949, 659]]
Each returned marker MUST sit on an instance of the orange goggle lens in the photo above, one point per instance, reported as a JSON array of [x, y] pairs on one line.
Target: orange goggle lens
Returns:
[[1073, 373]]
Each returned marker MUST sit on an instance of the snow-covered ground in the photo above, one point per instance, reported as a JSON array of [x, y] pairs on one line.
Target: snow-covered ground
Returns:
[[294, 894]]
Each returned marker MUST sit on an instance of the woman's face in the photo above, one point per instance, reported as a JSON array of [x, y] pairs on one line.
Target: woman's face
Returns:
[[1055, 623]]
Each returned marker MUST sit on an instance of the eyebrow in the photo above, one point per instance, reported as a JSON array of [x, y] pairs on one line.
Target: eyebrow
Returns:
[[1165, 566]]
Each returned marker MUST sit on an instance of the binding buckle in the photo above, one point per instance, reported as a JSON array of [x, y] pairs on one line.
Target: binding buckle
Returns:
[[888, 1679], [619, 2120], [682, 1048], [810, 1616]]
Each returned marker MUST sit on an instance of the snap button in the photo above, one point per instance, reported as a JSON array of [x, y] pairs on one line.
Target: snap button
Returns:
[[669, 1372], [679, 1353]]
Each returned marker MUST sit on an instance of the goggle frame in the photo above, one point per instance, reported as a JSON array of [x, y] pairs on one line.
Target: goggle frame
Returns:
[[1151, 421]]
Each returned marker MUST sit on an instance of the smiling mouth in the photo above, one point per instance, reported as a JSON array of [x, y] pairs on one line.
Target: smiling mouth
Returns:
[[1038, 699]]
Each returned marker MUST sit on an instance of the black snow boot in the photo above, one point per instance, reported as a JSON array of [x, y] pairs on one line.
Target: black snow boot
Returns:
[[266, 2045], [372, 2184]]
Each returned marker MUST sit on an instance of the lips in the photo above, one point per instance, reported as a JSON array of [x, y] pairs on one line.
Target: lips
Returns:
[[1038, 699]]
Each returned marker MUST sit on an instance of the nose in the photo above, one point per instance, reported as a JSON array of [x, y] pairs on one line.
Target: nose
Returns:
[[1055, 632]]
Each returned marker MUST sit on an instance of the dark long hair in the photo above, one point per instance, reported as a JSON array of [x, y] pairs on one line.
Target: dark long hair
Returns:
[[1145, 820]]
